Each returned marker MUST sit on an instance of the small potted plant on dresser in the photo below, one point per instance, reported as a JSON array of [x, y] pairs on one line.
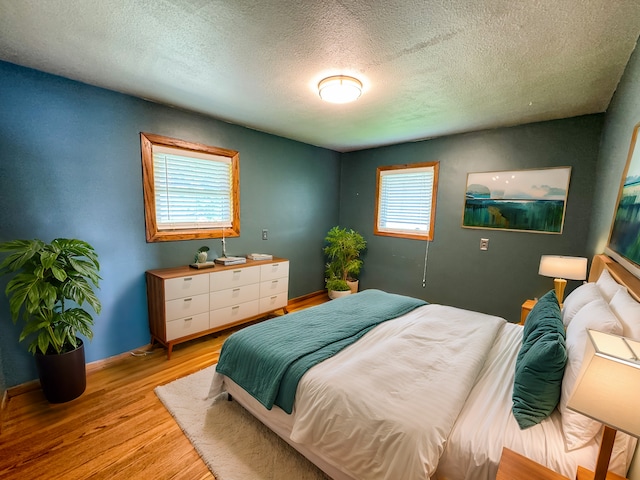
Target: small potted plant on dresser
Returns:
[[343, 248], [51, 284]]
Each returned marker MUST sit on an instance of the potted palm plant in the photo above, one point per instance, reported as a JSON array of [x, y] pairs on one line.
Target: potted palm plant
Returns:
[[51, 284], [343, 248]]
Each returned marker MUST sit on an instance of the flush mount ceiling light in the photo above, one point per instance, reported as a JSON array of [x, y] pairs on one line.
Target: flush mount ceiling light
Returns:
[[339, 89]]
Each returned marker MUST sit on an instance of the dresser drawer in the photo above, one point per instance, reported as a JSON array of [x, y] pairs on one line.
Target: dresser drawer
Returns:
[[233, 296], [187, 326], [185, 286], [274, 270], [273, 302], [233, 278], [272, 287], [185, 307], [235, 313]]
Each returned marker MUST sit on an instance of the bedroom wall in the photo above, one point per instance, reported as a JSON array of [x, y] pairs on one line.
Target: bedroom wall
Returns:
[[622, 116], [496, 281], [70, 167]]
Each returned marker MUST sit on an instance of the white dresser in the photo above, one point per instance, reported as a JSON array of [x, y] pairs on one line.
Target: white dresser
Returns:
[[185, 303]]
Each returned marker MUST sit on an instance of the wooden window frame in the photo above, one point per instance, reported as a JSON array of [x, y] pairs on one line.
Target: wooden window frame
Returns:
[[153, 234], [434, 194]]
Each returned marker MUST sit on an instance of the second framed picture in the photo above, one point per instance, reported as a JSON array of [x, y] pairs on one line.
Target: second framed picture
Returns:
[[518, 200]]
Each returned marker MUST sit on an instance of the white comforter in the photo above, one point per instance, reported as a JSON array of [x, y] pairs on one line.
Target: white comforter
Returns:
[[393, 424]]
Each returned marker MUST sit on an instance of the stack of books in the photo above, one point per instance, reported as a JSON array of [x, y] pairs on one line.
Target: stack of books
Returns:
[[230, 260], [260, 256]]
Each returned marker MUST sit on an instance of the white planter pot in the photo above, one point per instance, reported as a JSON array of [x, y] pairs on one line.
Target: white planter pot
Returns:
[[202, 257], [333, 294]]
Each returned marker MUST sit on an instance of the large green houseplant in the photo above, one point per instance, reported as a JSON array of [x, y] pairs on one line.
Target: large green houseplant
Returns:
[[51, 284], [342, 250]]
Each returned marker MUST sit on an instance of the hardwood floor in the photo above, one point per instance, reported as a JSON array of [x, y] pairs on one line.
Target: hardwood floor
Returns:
[[118, 429]]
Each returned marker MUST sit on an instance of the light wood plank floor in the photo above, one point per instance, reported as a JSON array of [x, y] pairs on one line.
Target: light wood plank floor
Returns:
[[118, 429]]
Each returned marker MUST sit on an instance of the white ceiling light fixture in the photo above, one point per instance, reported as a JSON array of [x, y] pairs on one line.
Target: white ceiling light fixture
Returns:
[[340, 89]]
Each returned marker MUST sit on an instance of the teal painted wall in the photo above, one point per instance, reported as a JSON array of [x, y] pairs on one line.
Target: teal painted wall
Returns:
[[622, 116], [496, 281], [70, 167]]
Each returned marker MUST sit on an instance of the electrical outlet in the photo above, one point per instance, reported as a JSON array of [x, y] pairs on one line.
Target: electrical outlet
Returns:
[[265, 234], [484, 244]]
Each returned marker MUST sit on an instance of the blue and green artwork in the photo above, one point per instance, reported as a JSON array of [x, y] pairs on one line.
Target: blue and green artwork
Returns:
[[523, 200], [625, 231]]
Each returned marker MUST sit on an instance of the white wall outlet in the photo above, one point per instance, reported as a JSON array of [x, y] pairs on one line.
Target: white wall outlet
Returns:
[[484, 244], [265, 234]]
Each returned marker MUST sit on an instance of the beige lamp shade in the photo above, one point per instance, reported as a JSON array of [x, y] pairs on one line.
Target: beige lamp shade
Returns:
[[608, 385], [559, 266]]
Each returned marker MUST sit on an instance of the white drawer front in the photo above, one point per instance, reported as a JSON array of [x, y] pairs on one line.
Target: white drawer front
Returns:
[[274, 270], [273, 302], [184, 307], [185, 286], [273, 287], [187, 326], [234, 313], [233, 296], [233, 278]]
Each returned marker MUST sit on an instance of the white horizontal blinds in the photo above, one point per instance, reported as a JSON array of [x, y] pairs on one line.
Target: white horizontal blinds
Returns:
[[405, 200], [192, 191]]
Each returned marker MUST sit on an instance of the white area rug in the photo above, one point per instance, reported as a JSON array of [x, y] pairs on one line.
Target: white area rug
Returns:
[[233, 444]]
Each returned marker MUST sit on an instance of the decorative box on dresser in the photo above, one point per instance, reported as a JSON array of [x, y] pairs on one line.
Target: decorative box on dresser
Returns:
[[186, 303]]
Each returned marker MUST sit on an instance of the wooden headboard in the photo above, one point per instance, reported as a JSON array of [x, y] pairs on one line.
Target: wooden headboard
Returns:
[[617, 271]]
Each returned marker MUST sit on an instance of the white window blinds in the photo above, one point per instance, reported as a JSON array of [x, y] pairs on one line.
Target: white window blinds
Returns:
[[405, 200], [193, 192]]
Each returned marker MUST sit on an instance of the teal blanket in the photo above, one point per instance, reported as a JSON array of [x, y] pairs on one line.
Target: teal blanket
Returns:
[[269, 358]]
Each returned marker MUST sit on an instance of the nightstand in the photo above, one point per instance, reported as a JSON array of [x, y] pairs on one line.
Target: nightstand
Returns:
[[584, 474], [514, 466], [526, 308]]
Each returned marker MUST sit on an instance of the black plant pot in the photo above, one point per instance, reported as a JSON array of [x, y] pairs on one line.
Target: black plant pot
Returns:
[[63, 376]]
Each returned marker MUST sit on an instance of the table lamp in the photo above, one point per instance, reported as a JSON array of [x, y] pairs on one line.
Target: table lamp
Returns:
[[562, 268], [608, 390]]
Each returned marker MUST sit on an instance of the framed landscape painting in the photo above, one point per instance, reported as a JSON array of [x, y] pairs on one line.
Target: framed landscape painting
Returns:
[[517, 200], [624, 239]]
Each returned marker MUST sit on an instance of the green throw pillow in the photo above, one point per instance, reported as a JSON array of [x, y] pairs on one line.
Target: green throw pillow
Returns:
[[541, 318], [540, 364]]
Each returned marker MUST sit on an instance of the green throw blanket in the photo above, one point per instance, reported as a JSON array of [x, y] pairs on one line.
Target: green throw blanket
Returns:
[[268, 359]]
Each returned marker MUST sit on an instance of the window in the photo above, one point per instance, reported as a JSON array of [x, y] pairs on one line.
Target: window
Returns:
[[406, 200], [190, 190]]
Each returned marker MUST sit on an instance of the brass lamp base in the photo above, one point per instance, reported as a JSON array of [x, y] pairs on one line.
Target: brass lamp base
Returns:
[[559, 284]]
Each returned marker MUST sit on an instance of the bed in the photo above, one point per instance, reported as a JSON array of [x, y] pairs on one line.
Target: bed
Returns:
[[428, 392]]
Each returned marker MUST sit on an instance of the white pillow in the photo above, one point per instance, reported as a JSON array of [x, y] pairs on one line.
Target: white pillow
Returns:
[[596, 315], [623, 449], [628, 312], [607, 285], [577, 299]]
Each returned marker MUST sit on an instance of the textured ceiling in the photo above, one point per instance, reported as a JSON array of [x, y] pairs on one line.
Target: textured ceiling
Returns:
[[429, 67]]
